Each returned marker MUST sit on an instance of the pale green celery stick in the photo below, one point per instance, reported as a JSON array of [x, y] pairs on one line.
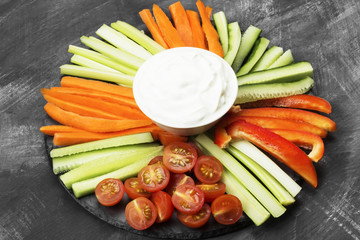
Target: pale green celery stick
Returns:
[[85, 62], [272, 168], [283, 60], [119, 40], [234, 42], [269, 57], [79, 71], [267, 179], [243, 176], [222, 29], [101, 144], [138, 36], [251, 207], [100, 58], [104, 165], [122, 57], [86, 187]]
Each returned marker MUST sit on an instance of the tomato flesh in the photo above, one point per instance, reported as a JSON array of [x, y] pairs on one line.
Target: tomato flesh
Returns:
[[196, 220], [177, 179], [163, 204], [226, 209], [157, 159], [212, 191], [208, 169], [188, 199], [109, 191], [140, 213], [179, 157], [153, 178], [134, 190]]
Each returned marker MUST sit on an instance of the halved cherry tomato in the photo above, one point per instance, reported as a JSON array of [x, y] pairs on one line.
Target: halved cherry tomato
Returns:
[[195, 220], [134, 190], [196, 147], [157, 159], [212, 191], [177, 179], [226, 209], [140, 213], [153, 178], [179, 157], [208, 169], [162, 202], [109, 191], [188, 199]]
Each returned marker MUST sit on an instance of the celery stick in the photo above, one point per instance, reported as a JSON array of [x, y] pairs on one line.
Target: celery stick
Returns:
[[83, 188], [243, 176], [254, 153], [104, 165], [222, 29], [100, 58], [251, 207], [268, 180], [122, 57], [234, 42], [80, 71], [283, 60], [269, 57], [85, 62], [119, 40], [137, 36], [101, 144]]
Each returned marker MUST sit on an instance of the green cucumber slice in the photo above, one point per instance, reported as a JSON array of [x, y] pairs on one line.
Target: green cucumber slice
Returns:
[[283, 60], [247, 42], [137, 36], [85, 62], [222, 29], [250, 93], [287, 73], [101, 144], [234, 42], [256, 53], [269, 57]]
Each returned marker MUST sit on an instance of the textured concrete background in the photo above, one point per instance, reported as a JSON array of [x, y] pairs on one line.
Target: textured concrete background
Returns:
[[34, 37]]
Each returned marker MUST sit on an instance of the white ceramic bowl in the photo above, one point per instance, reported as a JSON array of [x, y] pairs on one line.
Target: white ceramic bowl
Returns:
[[148, 98]]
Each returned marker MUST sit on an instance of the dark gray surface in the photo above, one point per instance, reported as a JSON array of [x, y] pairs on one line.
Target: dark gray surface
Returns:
[[34, 37]]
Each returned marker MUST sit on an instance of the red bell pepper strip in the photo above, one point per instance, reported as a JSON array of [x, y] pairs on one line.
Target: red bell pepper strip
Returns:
[[297, 101], [305, 140], [292, 114], [282, 149]]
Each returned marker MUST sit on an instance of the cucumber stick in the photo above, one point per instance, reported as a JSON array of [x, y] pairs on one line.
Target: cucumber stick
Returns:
[[247, 42], [104, 165], [85, 62], [88, 186], [100, 58], [283, 60], [222, 29], [269, 57], [243, 176], [138, 36], [288, 73], [254, 92], [256, 53], [234, 42], [122, 42], [268, 180], [101, 144], [257, 155]]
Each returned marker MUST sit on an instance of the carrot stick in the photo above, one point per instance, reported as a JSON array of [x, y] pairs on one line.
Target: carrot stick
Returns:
[[76, 82], [170, 34], [181, 23], [208, 11], [149, 21], [52, 129], [197, 32], [97, 94], [90, 123], [211, 34]]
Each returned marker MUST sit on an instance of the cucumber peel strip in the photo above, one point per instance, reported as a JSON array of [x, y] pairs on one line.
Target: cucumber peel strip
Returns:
[[222, 29], [234, 42], [269, 57], [283, 60]]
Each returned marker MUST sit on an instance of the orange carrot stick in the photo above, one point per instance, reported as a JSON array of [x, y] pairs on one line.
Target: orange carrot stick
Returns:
[[76, 82], [90, 123], [211, 34], [197, 32], [52, 129], [181, 23], [208, 11], [170, 34], [149, 21]]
